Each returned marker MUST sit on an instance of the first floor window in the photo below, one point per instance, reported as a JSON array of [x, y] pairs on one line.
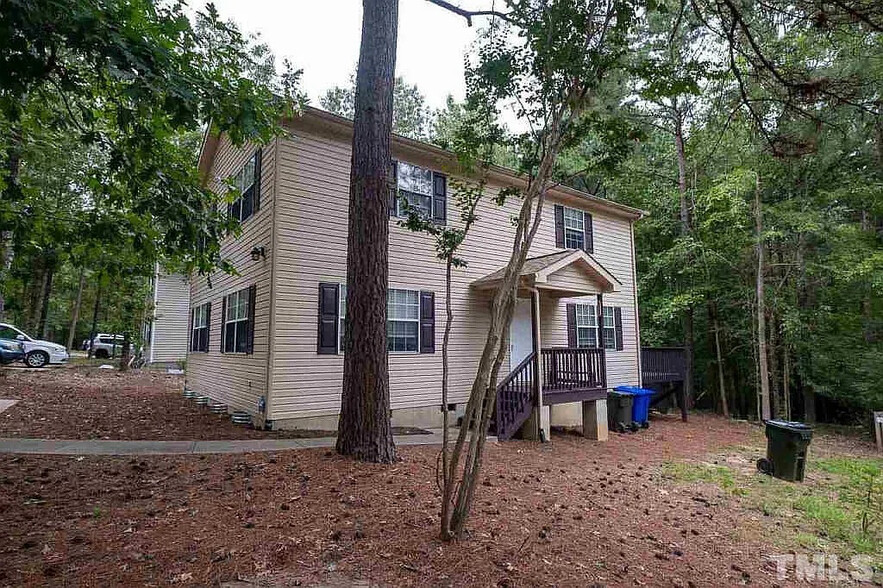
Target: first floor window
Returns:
[[403, 320], [236, 322], [609, 328], [199, 327], [574, 229], [586, 325]]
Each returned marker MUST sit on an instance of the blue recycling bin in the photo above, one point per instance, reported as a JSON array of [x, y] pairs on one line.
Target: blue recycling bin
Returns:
[[641, 404]]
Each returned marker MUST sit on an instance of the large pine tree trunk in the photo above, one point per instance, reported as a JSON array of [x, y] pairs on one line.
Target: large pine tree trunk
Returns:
[[763, 369], [364, 430]]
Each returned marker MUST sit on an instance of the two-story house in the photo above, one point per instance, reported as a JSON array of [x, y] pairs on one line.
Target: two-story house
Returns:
[[267, 341]]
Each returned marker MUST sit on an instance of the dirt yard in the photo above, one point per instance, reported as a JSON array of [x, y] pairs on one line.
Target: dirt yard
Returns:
[[675, 505], [90, 403]]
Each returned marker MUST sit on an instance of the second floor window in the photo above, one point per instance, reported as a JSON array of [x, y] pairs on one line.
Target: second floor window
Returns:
[[421, 189], [574, 229], [247, 182], [200, 327]]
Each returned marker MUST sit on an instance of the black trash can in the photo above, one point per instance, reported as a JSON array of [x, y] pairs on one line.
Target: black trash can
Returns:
[[619, 411], [787, 442]]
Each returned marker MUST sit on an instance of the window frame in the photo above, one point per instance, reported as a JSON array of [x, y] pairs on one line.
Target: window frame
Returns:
[[402, 192], [245, 183], [341, 320], [197, 344], [611, 327], [586, 313], [572, 234], [234, 323]]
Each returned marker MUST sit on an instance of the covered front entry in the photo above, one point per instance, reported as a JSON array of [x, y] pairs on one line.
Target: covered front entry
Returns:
[[541, 376]]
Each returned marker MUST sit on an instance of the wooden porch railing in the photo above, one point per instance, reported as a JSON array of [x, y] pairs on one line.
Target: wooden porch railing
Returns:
[[515, 398], [568, 369], [662, 364]]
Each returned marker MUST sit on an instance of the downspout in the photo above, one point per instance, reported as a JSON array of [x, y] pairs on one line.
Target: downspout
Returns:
[[274, 253], [538, 361], [635, 298]]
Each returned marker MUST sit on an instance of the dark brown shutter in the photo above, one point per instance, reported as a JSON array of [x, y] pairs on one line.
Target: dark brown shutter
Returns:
[[571, 326], [329, 306], [439, 198], [208, 325], [223, 321], [600, 309], [258, 156], [393, 187], [559, 226], [427, 322], [192, 346], [249, 337], [588, 233], [617, 317]]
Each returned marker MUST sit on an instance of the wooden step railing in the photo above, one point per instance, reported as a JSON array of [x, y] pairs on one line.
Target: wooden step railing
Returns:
[[515, 398]]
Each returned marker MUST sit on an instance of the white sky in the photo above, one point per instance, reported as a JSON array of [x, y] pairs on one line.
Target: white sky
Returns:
[[322, 38]]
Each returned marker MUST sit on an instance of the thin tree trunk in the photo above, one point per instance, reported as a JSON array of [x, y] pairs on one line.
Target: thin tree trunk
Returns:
[[763, 369], [124, 354], [11, 192], [446, 474], [725, 408], [689, 344], [786, 380], [75, 311], [805, 297], [776, 404], [364, 429], [95, 310], [44, 304]]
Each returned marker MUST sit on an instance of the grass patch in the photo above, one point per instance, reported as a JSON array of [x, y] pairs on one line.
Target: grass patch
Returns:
[[839, 508]]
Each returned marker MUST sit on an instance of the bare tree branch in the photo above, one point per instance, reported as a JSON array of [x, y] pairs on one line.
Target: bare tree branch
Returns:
[[469, 14]]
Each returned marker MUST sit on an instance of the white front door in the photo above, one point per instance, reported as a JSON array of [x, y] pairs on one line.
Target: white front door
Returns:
[[520, 334]]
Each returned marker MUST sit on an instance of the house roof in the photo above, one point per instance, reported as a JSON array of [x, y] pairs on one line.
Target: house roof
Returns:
[[539, 270], [321, 121]]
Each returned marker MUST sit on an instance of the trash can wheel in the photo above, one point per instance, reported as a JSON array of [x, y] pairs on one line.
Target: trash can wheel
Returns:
[[765, 466]]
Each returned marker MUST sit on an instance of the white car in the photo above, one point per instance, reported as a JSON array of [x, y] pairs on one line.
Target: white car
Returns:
[[105, 345], [37, 353]]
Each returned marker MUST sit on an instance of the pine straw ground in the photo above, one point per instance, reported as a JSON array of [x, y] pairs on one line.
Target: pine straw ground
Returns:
[[568, 513]]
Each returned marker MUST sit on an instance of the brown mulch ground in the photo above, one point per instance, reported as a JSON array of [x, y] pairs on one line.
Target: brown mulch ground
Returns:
[[90, 403], [568, 513]]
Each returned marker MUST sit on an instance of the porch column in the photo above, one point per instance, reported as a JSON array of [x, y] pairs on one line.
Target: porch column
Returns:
[[595, 420], [537, 426]]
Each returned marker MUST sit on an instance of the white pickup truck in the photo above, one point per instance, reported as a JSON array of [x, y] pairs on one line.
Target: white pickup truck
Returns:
[[37, 353]]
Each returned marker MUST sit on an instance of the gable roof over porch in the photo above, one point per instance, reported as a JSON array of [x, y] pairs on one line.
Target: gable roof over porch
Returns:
[[572, 272]]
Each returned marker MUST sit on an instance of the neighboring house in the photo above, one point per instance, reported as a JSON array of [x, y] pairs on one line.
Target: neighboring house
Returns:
[[267, 340], [167, 333]]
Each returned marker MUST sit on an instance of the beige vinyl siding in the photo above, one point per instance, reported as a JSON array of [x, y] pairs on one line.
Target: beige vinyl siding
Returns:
[[313, 187], [613, 250], [171, 318], [238, 379]]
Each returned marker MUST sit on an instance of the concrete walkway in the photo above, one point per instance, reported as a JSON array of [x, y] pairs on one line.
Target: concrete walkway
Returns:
[[109, 447]]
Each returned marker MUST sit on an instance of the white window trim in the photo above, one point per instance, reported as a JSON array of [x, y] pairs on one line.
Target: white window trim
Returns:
[[228, 322], [243, 183], [196, 326], [591, 324], [581, 230], [341, 316], [611, 327], [399, 212]]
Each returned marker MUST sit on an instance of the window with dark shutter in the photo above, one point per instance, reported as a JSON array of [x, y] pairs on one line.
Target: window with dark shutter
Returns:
[[208, 325], [427, 322], [588, 231], [249, 337], [258, 158], [237, 321], [328, 319], [559, 226], [571, 325], [199, 327], [223, 322], [440, 194], [617, 321]]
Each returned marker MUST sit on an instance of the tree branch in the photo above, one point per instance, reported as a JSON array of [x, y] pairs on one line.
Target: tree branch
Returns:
[[468, 14]]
